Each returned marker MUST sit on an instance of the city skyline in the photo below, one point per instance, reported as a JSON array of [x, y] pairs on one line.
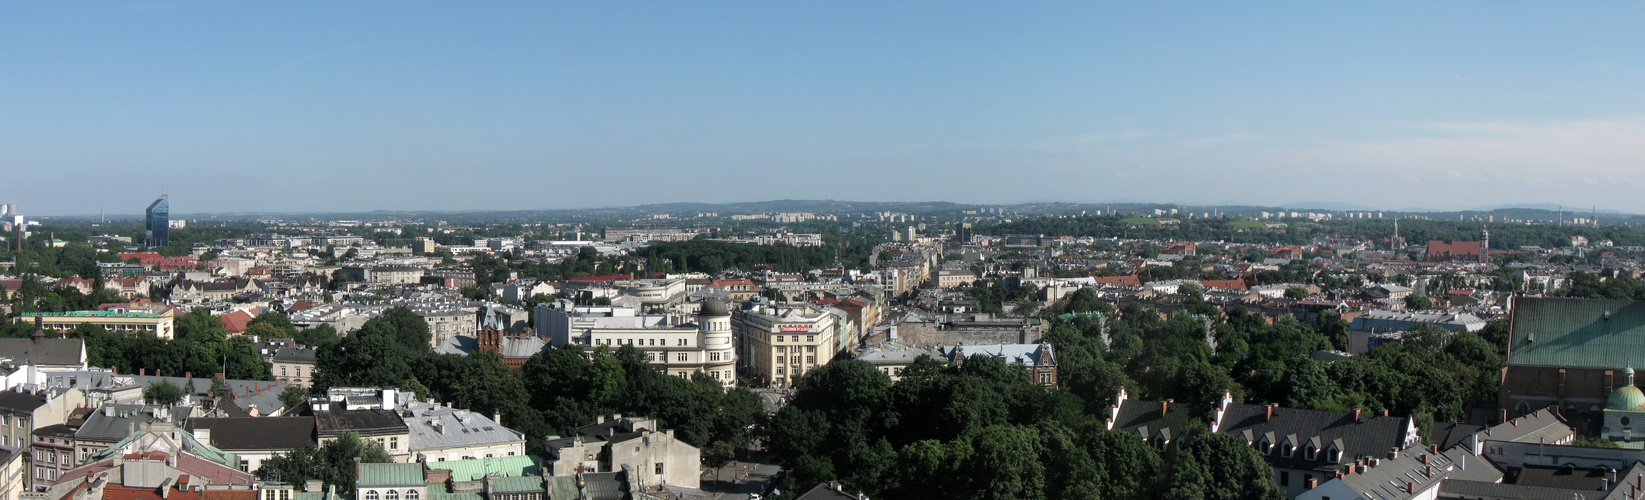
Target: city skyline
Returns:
[[366, 106]]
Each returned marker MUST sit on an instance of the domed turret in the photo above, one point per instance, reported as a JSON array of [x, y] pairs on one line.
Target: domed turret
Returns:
[[714, 307], [1627, 397]]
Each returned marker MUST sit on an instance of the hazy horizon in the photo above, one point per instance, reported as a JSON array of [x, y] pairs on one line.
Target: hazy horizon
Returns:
[[322, 107]]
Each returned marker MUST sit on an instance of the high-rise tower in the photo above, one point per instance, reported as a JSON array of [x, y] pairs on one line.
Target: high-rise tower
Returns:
[[157, 223]]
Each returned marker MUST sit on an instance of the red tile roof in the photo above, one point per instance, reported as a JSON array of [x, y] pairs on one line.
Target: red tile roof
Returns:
[[1118, 280], [235, 322]]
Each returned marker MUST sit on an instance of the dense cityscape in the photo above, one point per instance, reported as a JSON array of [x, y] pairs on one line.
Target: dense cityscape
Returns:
[[802, 250], [883, 350]]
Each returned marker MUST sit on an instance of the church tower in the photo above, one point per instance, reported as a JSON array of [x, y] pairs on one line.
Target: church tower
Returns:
[[1484, 244]]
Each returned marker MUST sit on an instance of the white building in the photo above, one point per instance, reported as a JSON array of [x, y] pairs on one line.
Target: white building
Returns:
[[680, 345]]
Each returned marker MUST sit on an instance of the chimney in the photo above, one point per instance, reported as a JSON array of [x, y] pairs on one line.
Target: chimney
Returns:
[[1433, 449], [1423, 458], [1312, 483], [1502, 415], [1270, 414], [157, 373], [1515, 422], [1410, 488], [1165, 406], [188, 374], [1429, 471], [115, 370], [1393, 453], [1384, 412], [1356, 414], [142, 371]]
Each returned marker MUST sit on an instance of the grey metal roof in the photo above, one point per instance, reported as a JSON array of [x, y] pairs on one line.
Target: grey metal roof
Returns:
[[113, 422], [439, 427], [896, 353], [1368, 436], [44, 351]]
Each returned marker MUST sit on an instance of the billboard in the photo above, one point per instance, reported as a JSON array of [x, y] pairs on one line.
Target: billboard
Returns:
[[796, 329]]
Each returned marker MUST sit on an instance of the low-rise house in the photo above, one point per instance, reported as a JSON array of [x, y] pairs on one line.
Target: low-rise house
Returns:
[[254, 439], [1312, 445], [891, 357], [385, 427], [618, 443], [1039, 360], [1158, 423], [394, 481], [440, 433], [294, 365]]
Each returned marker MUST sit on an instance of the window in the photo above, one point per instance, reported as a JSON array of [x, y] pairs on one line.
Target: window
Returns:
[[713, 356], [282, 371], [810, 348], [659, 468], [682, 342], [810, 338], [780, 371], [716, 375], [1333, 455], [782, 349], [796, 360], [1284, 479], [371, 494], [393, 444], [411, 495], [391, 495], [1312, 453], [1287, 450], [811, 359], [682, 357], [1265, 447]]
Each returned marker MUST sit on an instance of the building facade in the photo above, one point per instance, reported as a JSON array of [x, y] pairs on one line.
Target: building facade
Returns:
[[678, 347], [780, 343]]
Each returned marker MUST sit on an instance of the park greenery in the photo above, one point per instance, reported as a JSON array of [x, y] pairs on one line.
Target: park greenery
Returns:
[[552, 394], [982, 427]]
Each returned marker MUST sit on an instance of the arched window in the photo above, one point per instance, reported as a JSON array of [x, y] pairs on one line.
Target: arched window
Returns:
[[1333, 455], [391, 495], [411, 495], [1313, 453], [371, 494], [1264, 447]]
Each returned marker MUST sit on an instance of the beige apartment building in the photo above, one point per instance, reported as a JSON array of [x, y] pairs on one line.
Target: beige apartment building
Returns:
[[780, 343]]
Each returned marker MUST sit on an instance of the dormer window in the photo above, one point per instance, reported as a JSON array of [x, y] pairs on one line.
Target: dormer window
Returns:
[[1265, 447], [1287, 450], [1312, 452], [1333, 455]]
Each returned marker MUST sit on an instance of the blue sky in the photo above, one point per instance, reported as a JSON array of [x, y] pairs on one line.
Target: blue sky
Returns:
[[298, 106]]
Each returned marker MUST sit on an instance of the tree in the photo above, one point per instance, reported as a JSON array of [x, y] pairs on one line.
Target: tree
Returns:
[[162, 392], [293, 396], [332, 462], [1418, 303], [1296, 292], [265, 331]]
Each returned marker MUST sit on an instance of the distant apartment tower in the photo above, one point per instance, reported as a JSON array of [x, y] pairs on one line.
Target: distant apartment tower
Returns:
[[158, 223]]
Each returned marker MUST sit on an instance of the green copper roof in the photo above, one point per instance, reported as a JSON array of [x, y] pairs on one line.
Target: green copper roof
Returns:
[[473, 470], [1626, 398], [390, 475], [1578, 333]]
